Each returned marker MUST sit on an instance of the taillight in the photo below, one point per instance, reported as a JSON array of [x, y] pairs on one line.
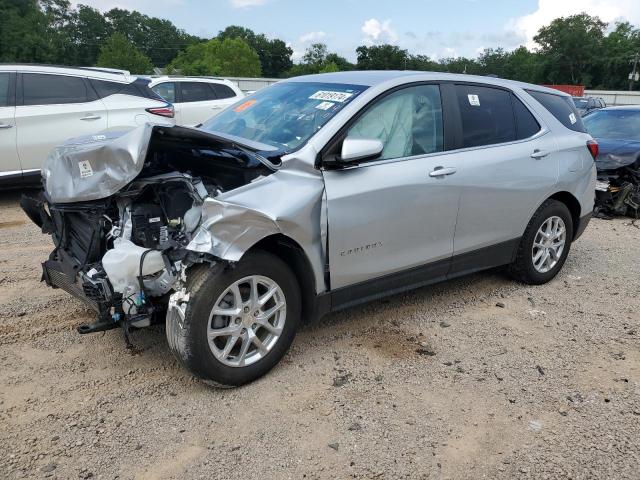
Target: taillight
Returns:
[[165, 111], [593, 148]]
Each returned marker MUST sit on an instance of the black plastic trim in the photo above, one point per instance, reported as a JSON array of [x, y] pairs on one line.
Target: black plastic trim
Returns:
[[484, 258], [582, 225]]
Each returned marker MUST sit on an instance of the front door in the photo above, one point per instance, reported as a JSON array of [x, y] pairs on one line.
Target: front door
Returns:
[[393, 214], [10, 168]]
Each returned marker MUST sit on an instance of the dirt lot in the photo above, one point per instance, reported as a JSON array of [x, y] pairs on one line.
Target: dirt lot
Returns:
[[477, 377]]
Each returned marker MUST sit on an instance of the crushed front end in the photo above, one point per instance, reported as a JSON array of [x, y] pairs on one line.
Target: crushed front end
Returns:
[[122, 210], [618, 180]]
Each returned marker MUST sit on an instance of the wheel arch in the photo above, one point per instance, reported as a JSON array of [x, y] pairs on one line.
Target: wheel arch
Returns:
[[573, 204], [290, 252]]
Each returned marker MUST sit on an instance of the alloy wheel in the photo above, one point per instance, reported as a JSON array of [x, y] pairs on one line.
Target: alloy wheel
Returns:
[[549, 244], [246, 321]]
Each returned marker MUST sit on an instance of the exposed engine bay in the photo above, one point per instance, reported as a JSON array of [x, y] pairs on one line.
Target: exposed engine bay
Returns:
[[617, 190], [124, 253]]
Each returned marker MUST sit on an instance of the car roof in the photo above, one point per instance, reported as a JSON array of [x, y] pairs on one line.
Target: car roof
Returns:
[[622, 107], [110, 74], [167, 78], [372, 78]]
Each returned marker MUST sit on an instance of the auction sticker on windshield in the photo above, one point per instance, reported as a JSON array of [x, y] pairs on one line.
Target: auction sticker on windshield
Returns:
[[324, 106], [331, 96], [244, 106]]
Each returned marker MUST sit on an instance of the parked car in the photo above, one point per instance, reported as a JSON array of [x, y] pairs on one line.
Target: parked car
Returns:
[[617, 130], [588, 104], [313, 195], [41, 106], [196, 99]]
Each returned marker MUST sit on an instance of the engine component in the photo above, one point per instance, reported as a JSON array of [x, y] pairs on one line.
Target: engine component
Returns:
[[148, 225], [123, 264], [95, 284]]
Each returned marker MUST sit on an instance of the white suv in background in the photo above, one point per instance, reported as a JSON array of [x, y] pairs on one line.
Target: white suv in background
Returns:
[[42, 106], [196, 99]]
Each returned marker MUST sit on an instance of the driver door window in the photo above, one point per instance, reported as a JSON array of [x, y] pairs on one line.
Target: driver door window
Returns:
[[408, 122]]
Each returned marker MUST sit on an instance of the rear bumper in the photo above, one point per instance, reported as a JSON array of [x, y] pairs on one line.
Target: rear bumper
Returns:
[[582, 225]]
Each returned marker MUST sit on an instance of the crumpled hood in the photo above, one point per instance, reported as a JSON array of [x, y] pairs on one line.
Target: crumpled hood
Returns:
[[616, 153], [95, 166]]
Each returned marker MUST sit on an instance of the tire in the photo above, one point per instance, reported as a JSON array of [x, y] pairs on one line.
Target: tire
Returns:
[[523, 268], [188, 337]]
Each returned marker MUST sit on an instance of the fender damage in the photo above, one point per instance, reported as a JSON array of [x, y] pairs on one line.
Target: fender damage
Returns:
[[130, 212]]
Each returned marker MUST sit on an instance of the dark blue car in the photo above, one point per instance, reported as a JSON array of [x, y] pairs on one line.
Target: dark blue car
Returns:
[[617, 131]]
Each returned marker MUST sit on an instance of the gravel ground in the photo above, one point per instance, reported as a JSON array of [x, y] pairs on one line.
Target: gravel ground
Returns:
[[477, 377]]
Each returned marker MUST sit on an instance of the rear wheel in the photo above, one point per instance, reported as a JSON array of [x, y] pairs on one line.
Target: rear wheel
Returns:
[[545, 244], [236, 323]]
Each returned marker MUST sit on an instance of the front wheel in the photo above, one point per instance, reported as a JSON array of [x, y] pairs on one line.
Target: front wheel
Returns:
[[231, 325], [545, 244]]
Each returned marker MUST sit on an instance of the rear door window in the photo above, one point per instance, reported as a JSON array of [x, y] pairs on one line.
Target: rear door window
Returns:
[[196, 92], [526, 124], [5, 79], [43, 89], [487, 115], [223, 91], [560, 107]]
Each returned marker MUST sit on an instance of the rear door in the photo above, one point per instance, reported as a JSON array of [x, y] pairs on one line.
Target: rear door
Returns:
[[198, 102], [506, 163], [51, 109], [10, 168]]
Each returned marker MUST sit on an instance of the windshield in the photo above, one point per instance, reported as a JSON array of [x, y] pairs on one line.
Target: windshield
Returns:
[[580, 102], [285, 115], [618, 124]]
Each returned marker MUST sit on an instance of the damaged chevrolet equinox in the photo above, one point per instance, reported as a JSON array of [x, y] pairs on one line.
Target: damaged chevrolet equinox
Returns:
[[309, 196]]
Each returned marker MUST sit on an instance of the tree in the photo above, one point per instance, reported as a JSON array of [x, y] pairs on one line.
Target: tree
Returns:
[[570, 48], [159, 39], [382, 57], [230, 57], [619, 47], [118, 52], [274, 54]]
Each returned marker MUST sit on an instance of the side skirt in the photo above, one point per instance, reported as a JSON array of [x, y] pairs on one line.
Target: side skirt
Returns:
[[416, 277]]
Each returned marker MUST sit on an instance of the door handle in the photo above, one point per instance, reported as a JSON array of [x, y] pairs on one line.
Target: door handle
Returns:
[[91, 117], [5, 126], [217, 107], [442, 171], [537, 154]]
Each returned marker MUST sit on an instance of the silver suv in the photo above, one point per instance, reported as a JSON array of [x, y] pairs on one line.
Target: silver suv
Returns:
[[310, 196]]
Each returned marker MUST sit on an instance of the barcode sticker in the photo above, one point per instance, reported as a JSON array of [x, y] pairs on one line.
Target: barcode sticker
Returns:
[[85, 169], [330, 96], [474, 100]]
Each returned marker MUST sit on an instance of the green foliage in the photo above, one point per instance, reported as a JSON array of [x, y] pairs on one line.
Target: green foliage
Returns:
[[382, 57], [230, 57], [578, 49], [118, 52], [570, 48], [317, 59], [275, 55]]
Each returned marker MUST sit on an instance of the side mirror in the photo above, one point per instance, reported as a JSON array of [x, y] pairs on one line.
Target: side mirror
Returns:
[[360, 149]]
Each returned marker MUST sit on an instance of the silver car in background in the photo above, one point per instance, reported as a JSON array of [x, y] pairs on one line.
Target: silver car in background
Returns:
[[313, 195]]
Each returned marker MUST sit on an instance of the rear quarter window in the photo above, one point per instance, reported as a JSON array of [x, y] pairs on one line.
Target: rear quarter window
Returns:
[[562, 108], [223, 91]]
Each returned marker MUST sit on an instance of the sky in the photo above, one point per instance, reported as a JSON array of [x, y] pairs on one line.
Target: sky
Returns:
[[428, 27]]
